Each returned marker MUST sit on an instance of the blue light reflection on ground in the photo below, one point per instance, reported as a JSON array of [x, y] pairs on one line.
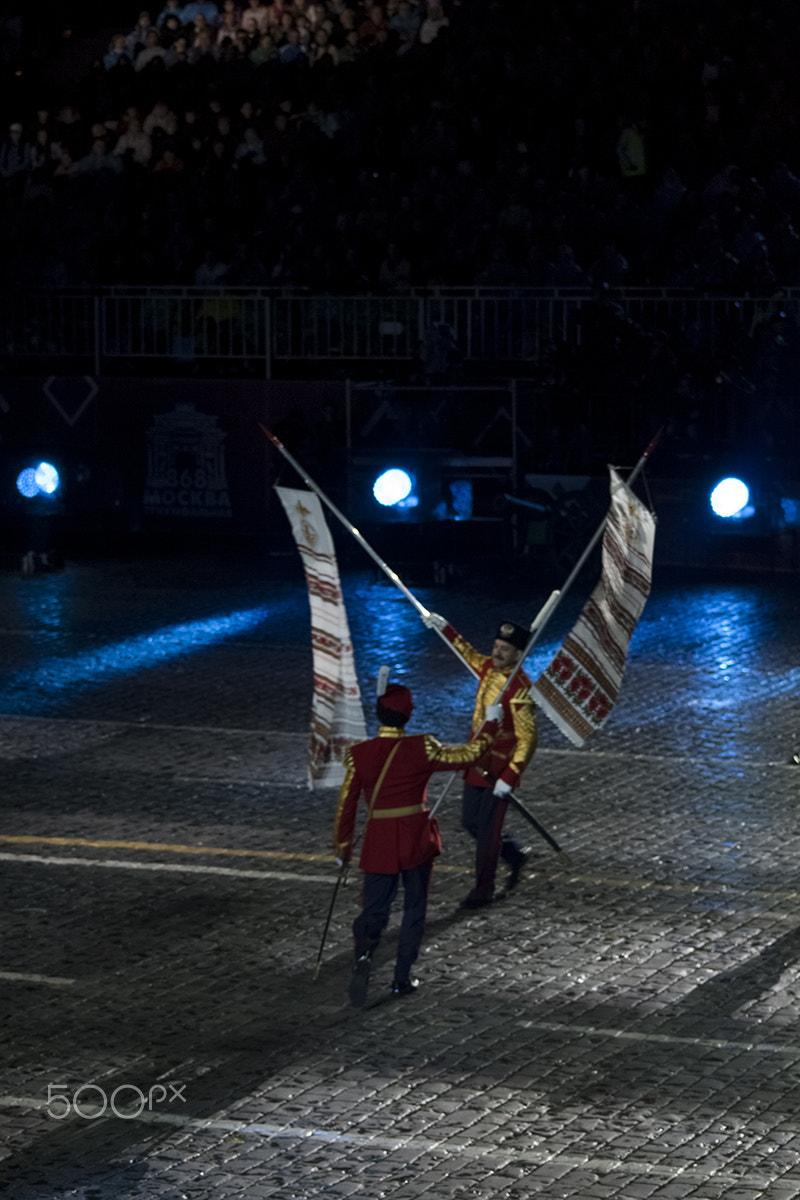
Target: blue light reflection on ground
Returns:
[[55, 678], [727, 631], [388, 631]]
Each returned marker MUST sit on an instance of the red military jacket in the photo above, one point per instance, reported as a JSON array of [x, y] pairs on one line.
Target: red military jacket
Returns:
[[393, 831], [515, 744]]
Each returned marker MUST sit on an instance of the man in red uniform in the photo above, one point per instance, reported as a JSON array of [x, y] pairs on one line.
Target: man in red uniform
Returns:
[[483, 808], [400, 840]]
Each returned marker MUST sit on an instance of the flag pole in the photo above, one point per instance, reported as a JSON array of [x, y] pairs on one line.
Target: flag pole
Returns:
[[549, 607], [541, 618], [557, 596], [350, 527]]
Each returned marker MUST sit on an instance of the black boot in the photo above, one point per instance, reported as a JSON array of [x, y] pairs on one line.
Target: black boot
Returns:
[[516, 869], [404, 987], [359, 981]]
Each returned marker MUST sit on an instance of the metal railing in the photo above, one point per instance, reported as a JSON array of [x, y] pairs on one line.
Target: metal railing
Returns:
[[99, 330]]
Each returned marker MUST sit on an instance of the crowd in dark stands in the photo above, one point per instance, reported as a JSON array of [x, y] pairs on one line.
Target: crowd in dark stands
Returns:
[[349, 146]]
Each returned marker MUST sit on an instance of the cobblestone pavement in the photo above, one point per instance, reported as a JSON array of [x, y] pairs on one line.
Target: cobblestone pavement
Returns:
[[624, 1024]]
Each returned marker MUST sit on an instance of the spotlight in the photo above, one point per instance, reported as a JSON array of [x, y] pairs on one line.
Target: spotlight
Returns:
[[46, 477], [729, 498], [42, 480], [392, 487], [26, 483]]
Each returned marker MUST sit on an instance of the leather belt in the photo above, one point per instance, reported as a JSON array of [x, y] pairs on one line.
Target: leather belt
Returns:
[[408, 811]]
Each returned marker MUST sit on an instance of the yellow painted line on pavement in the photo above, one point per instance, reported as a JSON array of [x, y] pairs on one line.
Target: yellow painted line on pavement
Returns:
[[170, 847], [179, 848], [176, 868], [618, 882]]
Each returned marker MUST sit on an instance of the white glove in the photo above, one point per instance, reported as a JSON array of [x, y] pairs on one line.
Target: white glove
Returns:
[[494, 712], [432, 620], [501, 789]]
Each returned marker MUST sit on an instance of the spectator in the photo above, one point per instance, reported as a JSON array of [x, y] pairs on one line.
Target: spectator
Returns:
[[565, 271], [177, 55], [161, 121], [211, 271], [170, 31], [404, 25], [631, 152], [172, 8], [44, 152], [350, 52], [15, 153], [394, 273], [373, 30], [228, 27], [265, 52], [610, 269], [256, 17], [243, 43], [169, 163], [199, 27], [206, 9], [153, 52], [202, 51], [134, 144], [136, 39], [250, 150], [117, 53], [247, 115], [65, 167], [291, 52], [409, 124], [435, 20], [70, 129], [99, 159], [323, 53]]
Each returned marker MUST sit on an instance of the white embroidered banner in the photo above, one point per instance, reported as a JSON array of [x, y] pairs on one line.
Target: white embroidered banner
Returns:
[[580, 687], [337, 717]]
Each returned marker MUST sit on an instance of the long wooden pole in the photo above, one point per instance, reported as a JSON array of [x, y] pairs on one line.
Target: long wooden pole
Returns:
[[556, 597], [350, 527], [550, 606]]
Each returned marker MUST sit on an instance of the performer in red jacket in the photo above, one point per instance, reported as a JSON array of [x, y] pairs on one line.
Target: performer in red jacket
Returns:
[[400, 840], [483, 807]]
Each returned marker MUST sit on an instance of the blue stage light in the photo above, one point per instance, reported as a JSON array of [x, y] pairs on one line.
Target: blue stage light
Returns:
[[392, 487], [42, 480], [26, 483], [729, 498], [47, 478]]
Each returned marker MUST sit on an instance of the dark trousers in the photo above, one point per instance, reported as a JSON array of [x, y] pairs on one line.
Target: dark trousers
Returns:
[[379, 892], [482, 815]]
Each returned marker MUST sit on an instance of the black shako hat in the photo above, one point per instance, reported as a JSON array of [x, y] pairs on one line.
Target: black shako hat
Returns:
[[517, 635]]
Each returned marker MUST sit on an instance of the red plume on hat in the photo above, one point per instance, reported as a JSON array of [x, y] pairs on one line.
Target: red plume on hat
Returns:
[[398, 699]]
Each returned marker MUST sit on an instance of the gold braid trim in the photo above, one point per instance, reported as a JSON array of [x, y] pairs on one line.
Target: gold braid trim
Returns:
[[489, 689], [523, 714], [470, 655], [436, 751], [344, 791]]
